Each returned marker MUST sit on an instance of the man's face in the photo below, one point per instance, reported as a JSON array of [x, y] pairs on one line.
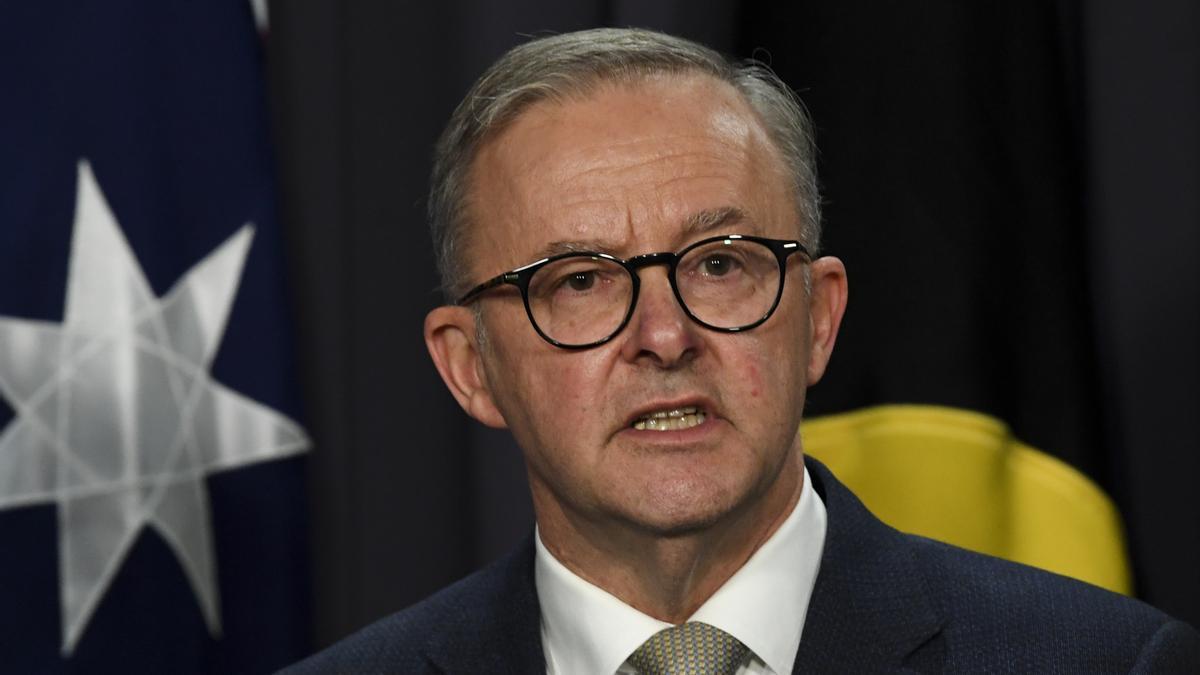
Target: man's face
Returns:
[[623, 170]]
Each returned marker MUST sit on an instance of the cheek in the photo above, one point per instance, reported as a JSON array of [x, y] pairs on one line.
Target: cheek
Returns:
[[589, 374], [563, 389], [754, 379], [772, 376], [751, 388]]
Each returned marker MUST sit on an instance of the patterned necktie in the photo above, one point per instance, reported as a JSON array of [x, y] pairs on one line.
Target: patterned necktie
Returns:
[[692, 648]]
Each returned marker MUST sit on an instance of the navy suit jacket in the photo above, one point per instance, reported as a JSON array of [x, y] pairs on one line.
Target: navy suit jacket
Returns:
[[883, 601]]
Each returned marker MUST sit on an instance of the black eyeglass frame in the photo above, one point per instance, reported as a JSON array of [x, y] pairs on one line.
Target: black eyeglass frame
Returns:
[[520, 277]]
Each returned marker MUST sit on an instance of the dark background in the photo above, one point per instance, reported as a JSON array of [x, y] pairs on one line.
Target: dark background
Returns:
[[1012, 185]]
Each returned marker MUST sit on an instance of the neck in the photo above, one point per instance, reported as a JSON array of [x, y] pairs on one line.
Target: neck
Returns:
[[666, 576]]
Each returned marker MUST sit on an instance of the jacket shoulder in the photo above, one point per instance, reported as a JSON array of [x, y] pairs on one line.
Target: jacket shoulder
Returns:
[[996, 611], [485, 615]]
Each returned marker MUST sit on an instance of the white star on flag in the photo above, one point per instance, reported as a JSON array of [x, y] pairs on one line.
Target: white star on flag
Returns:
[[118, 420]]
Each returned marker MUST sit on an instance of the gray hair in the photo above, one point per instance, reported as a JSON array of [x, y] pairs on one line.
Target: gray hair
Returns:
[[573, 64]]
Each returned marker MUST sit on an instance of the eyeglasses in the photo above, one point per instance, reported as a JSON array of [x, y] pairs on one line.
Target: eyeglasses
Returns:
[[579, 300]]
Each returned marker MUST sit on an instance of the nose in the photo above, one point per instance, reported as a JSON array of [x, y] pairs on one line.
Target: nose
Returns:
[[659, 332]]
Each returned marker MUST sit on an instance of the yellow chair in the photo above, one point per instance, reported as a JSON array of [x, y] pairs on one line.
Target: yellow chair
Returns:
[[961, 477]]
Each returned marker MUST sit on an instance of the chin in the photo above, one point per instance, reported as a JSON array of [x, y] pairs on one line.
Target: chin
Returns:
[[685, 527], [686, 510]]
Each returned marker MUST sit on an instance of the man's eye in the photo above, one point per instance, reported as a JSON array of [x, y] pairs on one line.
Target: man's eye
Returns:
[[718, 265], [580, 281]]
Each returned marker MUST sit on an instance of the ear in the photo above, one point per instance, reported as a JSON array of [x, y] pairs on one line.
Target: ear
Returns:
[[825, 308], [450, 338]]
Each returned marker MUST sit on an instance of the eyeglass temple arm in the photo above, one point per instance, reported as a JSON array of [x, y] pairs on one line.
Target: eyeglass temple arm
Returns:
[[790, 248], [506, 278]]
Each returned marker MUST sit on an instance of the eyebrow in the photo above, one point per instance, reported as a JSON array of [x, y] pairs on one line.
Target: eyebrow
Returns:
[[575, 246], [698, 223], [708, 220]]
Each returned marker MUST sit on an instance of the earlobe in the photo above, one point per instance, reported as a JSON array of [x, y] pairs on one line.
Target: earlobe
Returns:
[[450, 338], [827, 304]]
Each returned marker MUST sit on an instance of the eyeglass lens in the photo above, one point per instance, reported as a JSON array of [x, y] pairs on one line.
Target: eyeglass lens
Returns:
[[728, 283]]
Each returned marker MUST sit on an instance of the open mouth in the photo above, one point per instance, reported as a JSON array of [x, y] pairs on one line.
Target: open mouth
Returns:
[[670, 420]]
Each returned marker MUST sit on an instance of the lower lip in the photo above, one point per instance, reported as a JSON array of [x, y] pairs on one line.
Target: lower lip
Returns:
[[700, 432]]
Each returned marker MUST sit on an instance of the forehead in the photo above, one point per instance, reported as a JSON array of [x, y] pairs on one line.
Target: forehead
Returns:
[[624, 167]]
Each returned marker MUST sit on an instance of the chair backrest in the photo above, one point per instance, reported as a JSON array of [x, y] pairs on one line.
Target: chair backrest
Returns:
[[961, 477]]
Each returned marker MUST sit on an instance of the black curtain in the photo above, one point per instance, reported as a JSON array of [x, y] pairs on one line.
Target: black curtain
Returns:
[[1011, 184]]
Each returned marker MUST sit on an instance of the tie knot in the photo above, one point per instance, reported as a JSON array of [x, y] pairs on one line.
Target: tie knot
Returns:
[[691, 648]]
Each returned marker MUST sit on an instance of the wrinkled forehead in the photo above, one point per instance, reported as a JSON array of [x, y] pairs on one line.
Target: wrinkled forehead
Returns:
[[604, 162]]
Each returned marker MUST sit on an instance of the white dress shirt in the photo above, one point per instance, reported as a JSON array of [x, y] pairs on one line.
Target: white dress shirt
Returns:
[[587, 631]]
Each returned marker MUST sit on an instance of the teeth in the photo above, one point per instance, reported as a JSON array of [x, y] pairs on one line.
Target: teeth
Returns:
[[670, 420]]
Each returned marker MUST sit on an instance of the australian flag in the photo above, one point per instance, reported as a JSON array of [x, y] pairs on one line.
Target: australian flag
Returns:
[[151, 477]]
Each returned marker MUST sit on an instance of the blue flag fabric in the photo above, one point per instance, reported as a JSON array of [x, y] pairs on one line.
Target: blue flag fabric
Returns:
[[151, 488]]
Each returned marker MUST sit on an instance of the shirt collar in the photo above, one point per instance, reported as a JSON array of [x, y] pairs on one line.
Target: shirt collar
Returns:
[[585, 629]]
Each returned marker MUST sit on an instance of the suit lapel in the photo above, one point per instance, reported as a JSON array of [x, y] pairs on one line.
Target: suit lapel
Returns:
[[497, 629], [869, 609]]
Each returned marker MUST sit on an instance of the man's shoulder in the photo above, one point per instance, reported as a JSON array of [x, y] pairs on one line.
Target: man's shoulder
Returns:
[[963, 582], [992, 607], [891, 597], [488, 620]]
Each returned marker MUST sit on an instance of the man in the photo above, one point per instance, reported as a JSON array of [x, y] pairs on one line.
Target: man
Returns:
[[628, 227]]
